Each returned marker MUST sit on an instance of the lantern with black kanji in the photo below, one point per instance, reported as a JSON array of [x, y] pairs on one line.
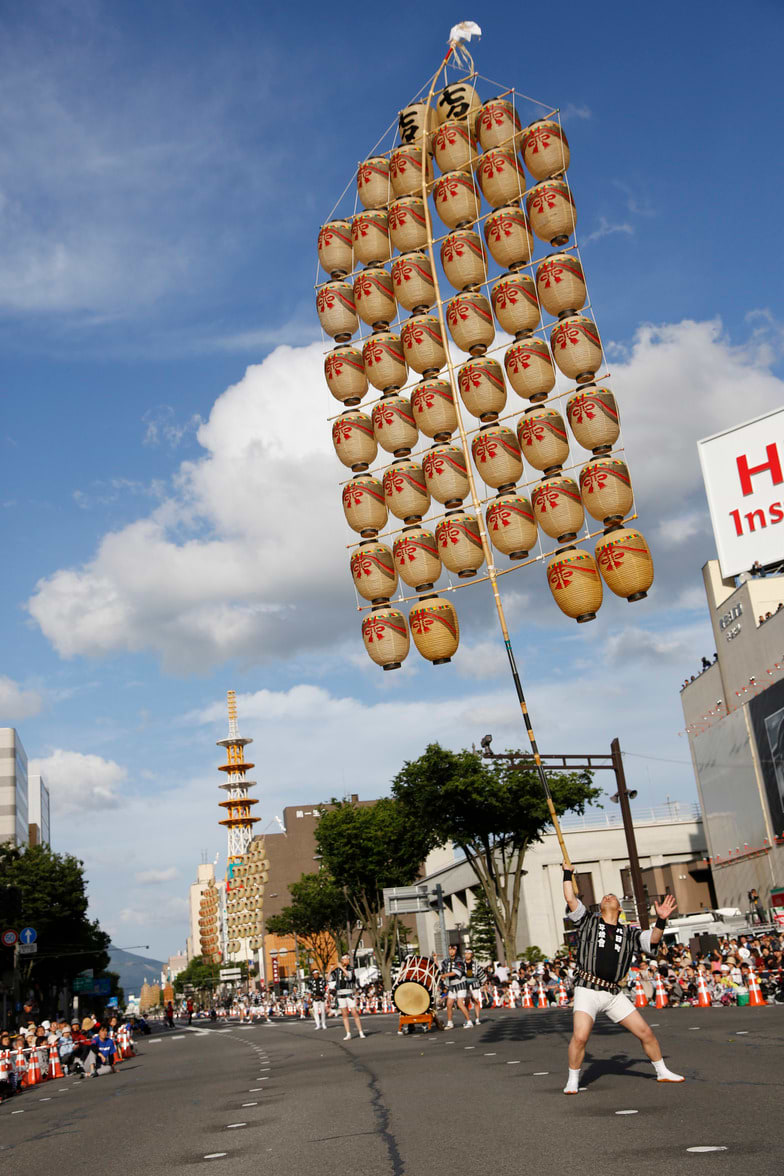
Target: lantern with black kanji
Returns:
[[459, 543], [511, 524], [625, 562], [435, 629], [459, 100], [575, 583], [416, 123], [385, 634]]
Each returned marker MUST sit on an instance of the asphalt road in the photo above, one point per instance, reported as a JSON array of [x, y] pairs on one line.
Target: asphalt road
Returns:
[[287, 1099]]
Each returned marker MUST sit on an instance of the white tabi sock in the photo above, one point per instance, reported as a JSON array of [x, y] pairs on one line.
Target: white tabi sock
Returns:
[[665, 1075], [573, 1083]]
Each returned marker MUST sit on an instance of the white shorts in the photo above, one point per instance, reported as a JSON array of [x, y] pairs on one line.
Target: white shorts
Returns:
[[615, 1005], [456, 993], [346, 1002]]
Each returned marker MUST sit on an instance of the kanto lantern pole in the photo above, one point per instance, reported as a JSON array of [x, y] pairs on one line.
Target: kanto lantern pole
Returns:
[[486, 547]]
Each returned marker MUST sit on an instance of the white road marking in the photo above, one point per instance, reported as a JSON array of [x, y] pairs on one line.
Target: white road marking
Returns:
[[490, 1055], [215, 1155], [742, 1033], [229, 1126], [255, 1089], [469, 1047], [513, 1063], [177, 1037], [691, 1027], [17, 1112], [47, 1099], [250, 1104], [705, 1149], [627, 1112], [155, 1041], [541, 1073], [654, 1024]]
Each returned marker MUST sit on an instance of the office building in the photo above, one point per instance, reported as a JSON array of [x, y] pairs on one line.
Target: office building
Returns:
[[38, 811], [14, 810]]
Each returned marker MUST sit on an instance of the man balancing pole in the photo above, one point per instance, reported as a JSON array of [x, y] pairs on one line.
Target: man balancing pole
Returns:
[[605, 949]]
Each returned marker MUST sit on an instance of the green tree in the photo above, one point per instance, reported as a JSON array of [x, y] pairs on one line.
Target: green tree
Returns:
[[481, 929], [366, 849], [316, 915], [492, 812], [202, 975]]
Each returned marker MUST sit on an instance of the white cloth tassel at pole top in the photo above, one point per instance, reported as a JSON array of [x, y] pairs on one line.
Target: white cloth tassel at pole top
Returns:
[[459, 34]]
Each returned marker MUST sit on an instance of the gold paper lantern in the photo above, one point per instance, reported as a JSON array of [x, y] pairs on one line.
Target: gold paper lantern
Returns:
[[499, 125], [373, 186], [500, 177], [606, 488], [457, 199], [545, 148], [515, 304], [405, 170], [417, 559], [334, 248], [415, 121], [370, 238], [385, 634], [423, 344], [458, 101], [558, 507], [393, 424], [435, 629], [405, 491], [529, 369], [364, 505], [543, 440], [560, 282], [625, 563], [482, 388], [577, 348], [384, 361], [352, 436], [336, 310], [374, 297], [509, 237], [407, 224], [460, 544], [455, 147], [434, 408], [464, 259], [511, 525], [373, 571], [575, 583], [496, 453], [593, 418], [446, 475], [412, 275], [551, 211], [470, 322]]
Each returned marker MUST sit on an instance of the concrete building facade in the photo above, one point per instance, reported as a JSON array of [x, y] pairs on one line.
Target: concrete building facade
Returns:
[[39, 811], [14, 807]]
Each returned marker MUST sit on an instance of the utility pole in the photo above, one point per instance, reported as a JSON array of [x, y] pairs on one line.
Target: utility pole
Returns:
[[622, 797], [441, 920]]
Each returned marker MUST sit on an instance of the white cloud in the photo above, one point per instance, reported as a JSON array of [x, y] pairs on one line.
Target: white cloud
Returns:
[[606, 228], [17, 703], [80, 783], [155, 877], [168, 911]]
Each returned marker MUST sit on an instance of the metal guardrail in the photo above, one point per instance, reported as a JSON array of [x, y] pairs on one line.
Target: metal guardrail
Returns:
[[611, 819]]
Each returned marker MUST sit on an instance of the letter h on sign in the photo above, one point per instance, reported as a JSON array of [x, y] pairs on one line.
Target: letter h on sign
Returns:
[[747, 472]]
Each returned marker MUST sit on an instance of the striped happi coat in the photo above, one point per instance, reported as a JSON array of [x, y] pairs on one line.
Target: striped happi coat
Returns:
[[629, 941]]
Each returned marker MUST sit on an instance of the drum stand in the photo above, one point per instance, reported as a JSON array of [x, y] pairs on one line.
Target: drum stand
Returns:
[[429, 1020]]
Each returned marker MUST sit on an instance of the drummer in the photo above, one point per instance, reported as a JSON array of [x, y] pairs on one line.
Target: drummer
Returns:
[[475, 978], [453, 971]]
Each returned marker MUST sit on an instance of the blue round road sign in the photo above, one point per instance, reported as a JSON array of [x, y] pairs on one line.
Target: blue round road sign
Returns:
[[28, 935]]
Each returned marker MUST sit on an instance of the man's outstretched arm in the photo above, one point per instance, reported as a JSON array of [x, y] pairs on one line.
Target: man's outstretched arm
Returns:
[[572, 901]]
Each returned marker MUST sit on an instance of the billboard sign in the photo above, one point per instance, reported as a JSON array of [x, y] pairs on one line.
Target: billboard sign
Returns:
[[743, 471]]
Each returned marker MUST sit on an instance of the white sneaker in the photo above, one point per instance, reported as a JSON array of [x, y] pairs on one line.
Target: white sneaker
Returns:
[[347, 1037], [477, 1021], [468, 1025], [449, 1025]]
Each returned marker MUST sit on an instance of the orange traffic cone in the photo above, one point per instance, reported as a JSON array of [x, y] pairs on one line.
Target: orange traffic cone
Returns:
[[20, 1065], [640, 999], [703, 1000], [527, 1002], [55, 1068], [662, 1000], [33, 1075], [563, 999], [756, 999], [542, 1000]]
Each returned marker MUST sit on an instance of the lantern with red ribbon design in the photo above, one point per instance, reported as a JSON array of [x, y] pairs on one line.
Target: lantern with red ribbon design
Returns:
[[509, 237], [545, 148], [435, 629], [416, 555], [575, 583], [385, 634], [373, 571], [459, 543], [482, 388], [625, 563], [511, 524], [515, 305], [433, 405], [496, 453]]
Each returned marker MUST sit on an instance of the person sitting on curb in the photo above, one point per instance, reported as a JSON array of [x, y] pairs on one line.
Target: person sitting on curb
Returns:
[[106, 1053]]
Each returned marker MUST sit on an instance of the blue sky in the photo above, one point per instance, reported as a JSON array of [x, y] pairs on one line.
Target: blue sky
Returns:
[[168, 505]]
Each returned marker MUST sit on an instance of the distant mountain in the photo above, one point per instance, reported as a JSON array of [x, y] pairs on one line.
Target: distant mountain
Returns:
[[134, 970]]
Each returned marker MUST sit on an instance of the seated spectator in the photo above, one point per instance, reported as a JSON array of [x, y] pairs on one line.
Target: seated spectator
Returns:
[[106, 1052], [65, 1048], [706, 664]]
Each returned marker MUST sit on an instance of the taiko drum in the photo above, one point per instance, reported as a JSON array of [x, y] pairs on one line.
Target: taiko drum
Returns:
[[458, 101], [509, 237], [374, 297], [543, 439], [515, 305], [417, 559], [511, 525], [500, 177], [415, 122], [416, 985], [625, 563], [460, 544], [499, 125], [446, 474], [412, 276], [385, 634], [464, 259], [434, 408], [344, 372], [606, 488], [336, 310], [457, 199], [455, 147], [575, 583], [407, 223], [393, 425], [405, 490], [482, 388], [529, 369], [354, 441], [470, 322], [423, 344], [384, 361], [558, 508], [496, 453], [435, 629], [373, 186], [370, 237], [545, 148], [560, 283], [577, 348], [551, 211], [364, 505], [405, 171], [593, 418], [334, 248], [373, 571]]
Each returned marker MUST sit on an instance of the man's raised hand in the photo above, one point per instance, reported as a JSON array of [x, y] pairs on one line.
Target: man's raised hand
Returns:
[[665, 908]]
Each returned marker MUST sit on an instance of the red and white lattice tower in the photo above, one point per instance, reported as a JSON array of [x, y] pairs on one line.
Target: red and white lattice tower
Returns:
[[238, 803]]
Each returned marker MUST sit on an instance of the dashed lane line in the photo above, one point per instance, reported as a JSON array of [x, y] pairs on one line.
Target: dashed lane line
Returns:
[[705, 1149], [231, 1126], [215, 1155], [627, 1112]]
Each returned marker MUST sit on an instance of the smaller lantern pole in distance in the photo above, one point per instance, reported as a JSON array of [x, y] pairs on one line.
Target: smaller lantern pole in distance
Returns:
[[486, 548]]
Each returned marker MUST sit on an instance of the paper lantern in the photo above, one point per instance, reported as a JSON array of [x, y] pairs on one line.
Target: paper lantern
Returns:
[[384, 360], [558, 507], [417, 559], [593, 418], [460, 544], [500, 177], [545, 149], [423, 344], [511, 525], [499, 125], [560, 283], [434, 408], [625, 563], [446, 474], [344, 372], [405, 171], [509, 237], [393, 425], [364, 505], [464, 259], [552, 211], [415, 122], [385, 634], [496, 453], [374, 297], [407, 224], [405, 491], [575, 583], [458, 101], [515, 305], [435, 629], [455, 147], [482, 388], [606, 488], [334, 248], [529, 369], [470, 322], [336, 310], [412, 275], [373, 571], [577, 348], [373, 186], [352, 436], [543, 439], [370, 238], [457, 199]]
